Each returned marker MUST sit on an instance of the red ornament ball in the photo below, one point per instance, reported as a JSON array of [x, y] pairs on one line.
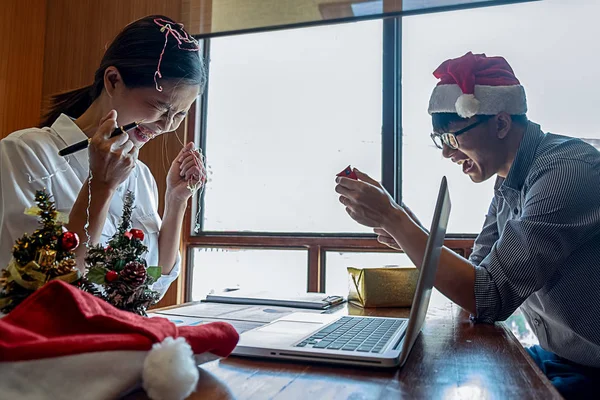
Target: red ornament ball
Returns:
[[112, 276], [128, 235], [137, 233], [69, 241]]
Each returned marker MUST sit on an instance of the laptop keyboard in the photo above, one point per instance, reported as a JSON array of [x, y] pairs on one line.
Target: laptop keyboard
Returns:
[[355, 334]]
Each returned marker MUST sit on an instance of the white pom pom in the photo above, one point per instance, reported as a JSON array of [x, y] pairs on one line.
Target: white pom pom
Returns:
[[170, 371], [467, 105]]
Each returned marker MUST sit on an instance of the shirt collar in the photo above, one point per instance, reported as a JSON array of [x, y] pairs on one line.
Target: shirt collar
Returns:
[[498, 184], [524, 158], [66, 128]]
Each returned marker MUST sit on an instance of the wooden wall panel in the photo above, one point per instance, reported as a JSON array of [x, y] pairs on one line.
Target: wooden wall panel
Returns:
[[22, 29], [76, 35], [196, 15]]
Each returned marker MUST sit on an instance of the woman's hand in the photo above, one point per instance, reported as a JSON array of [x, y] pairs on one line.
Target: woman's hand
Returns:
[[111, 159], [186, 175], [111, 162]]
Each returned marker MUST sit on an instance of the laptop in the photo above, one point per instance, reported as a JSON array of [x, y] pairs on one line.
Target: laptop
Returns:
[[354, 340]]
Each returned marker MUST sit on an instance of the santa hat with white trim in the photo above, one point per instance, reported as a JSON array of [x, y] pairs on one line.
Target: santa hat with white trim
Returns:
[[63, 343], [475, 84]]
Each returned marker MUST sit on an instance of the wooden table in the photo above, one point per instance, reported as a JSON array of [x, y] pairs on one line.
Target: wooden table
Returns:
[[452, 359]]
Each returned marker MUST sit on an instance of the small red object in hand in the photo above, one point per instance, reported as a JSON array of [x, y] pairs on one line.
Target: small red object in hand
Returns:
[[348, 173]]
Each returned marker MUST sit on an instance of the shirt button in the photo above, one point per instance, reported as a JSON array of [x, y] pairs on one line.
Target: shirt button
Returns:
[[516, 210], [536, 322]]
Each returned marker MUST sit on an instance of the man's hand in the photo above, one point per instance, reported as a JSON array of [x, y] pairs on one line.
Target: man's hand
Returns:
[[385, 238], [366, 201], [412, 215]]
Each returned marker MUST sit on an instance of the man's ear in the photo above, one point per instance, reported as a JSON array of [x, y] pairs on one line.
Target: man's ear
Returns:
[[112, 80], [503, 125]]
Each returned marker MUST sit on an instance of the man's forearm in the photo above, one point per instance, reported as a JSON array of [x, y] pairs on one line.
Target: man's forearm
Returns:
[[455, 276]]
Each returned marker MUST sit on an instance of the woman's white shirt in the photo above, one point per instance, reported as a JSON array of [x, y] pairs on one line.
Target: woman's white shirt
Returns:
[[29, 161]]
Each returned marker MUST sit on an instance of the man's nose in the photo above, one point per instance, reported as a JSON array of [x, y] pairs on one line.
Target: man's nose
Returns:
[[447, 152]]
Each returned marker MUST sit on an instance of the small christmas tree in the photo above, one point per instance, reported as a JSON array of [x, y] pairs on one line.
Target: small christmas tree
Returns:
[[120, 268], [46, 254]]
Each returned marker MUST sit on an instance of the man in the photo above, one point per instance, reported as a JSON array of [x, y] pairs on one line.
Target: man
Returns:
[[539, 248]]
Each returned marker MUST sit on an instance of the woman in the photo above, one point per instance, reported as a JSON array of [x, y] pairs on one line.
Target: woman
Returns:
[[152, 72]]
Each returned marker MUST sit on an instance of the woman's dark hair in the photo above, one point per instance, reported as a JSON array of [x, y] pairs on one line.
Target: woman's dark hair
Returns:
[[135, 52], [442, 121]]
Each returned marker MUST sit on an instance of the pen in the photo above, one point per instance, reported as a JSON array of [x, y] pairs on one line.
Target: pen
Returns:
[[84, 143]]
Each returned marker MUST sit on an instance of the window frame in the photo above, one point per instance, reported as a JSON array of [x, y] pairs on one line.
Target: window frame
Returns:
[[316, 244]]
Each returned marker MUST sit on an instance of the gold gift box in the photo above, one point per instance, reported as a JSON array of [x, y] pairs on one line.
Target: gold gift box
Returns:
[[389, 286]]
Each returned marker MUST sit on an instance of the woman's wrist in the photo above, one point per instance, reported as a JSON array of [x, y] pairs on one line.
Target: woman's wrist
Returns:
[[102, 188], [172, 196], [174, 205]]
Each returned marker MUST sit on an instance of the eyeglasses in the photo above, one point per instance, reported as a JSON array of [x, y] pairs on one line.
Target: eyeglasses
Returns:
[[449, 138]]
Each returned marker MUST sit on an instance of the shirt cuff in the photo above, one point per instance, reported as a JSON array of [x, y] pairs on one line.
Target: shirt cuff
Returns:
[[486, 299], [164, 282]]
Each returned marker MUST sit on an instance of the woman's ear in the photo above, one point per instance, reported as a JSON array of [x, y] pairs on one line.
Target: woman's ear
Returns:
[[112, 80], [503, 125]]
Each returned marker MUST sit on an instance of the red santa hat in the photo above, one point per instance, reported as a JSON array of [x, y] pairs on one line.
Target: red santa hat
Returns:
[[63, 343], [475, 84]]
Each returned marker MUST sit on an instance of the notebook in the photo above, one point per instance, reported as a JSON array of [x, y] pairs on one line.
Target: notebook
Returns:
[[318, 301]]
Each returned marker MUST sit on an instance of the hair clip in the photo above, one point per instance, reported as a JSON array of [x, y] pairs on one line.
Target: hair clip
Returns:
[[181, 38]]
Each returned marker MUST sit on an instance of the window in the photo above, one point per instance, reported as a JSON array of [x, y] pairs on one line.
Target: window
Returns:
[[545, 44], [286, 111], [215, 269], [306, 103]]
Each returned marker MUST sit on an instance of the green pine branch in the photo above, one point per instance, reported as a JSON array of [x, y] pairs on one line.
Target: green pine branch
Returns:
[[127, 211], [48, 235], [48, 212]]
